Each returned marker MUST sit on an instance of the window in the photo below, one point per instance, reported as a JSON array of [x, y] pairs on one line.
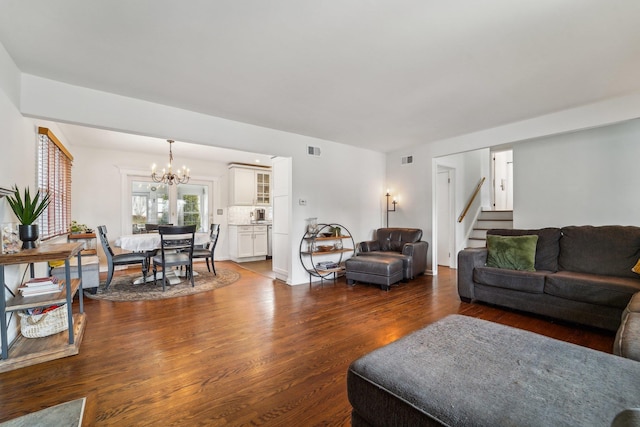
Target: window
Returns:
[[153, 203], [54, 177], [191, 209]]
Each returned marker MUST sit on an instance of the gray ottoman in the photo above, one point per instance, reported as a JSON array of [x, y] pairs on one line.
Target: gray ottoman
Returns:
[[90, 271], [379, 270], [462, 371]]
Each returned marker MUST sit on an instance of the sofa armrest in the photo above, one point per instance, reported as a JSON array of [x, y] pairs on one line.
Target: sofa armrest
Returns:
[[417, 251], [468, 260], [627, 342], [369, 246]]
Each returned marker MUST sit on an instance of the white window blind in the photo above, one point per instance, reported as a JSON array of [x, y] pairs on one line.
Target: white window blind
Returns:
[[54, 177]]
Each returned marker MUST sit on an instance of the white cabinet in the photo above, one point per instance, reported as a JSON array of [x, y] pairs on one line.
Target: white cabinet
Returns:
[[263, 188], [249, 186], [247, 242], [260, 241], [241, 187]]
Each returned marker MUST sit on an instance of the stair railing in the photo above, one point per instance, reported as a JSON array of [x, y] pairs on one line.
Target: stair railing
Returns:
[[473, 197]]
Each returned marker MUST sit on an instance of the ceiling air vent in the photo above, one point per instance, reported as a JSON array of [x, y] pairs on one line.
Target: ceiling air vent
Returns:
[[407, 159], [313, 151]]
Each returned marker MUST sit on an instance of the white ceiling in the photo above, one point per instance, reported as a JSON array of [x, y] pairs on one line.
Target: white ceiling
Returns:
[[379, 74]]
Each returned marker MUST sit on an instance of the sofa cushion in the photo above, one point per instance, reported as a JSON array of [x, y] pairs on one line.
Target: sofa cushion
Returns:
[[513, 252], [611, 291], [525, 281], [547, 248], [607, 250]]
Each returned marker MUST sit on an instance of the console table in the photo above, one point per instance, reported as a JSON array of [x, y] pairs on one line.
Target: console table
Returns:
[[30, 351]]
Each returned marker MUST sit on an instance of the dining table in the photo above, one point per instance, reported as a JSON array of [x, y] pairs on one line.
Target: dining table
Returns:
[[146, 242]]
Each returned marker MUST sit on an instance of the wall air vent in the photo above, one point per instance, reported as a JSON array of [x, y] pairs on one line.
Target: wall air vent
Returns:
[[313, 151], [407, 159]]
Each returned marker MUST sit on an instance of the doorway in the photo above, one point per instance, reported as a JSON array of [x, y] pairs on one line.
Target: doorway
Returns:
[[502, 174], [445, 217]]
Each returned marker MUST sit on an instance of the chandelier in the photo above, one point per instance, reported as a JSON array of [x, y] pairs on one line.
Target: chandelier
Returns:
[[168, 177]]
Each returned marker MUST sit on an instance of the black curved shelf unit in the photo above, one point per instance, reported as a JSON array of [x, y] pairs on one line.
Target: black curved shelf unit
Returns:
[[324, 244]]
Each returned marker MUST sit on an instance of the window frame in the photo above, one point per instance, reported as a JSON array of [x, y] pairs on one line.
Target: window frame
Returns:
[[54, 166]]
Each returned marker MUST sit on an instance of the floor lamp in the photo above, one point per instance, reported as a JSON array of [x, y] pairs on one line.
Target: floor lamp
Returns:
[[394, 203]]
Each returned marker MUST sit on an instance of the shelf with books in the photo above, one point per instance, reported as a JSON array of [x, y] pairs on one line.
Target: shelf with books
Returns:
[[324, 250], [40, 286], [22, 302], [29, 351]]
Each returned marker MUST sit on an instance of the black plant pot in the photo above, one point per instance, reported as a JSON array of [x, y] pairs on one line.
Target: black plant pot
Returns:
[[29, 235]]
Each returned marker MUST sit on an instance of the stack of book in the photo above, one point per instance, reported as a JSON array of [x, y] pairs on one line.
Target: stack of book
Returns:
[[40, 286], [327, 265]]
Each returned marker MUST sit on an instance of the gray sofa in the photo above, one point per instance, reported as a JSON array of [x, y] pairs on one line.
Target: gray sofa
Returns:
[[399, 243], [582, 274]]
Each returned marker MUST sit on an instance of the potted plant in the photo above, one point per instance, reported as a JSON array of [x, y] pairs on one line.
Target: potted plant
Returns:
[[77, 228], [27, 210]]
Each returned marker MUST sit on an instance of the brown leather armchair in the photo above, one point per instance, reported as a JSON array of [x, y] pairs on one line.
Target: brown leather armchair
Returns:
[[403, 243]]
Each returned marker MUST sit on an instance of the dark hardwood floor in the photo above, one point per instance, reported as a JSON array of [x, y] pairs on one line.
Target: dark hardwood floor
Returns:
[[257, 352]]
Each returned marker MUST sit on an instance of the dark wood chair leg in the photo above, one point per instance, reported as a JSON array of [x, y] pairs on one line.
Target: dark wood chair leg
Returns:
[[109, 277]]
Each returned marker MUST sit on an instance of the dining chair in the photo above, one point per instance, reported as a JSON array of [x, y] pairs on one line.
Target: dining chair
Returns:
[[129, 258], [176, 249], [152, 228], [207, 251]]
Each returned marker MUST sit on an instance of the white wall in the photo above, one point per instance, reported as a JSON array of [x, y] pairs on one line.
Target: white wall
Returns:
[[587, 177], [416, 181], [17, 162], [343, 185]]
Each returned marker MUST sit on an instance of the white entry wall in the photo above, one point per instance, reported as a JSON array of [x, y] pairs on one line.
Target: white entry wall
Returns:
[[588, 177]]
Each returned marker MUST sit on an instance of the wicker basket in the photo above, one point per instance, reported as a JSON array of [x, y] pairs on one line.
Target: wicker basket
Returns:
[[43, 325]]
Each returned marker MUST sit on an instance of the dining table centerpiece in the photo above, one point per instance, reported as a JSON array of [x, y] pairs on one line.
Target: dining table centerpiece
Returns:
[[27, 210]]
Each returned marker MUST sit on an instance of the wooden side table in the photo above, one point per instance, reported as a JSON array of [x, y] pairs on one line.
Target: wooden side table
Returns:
[[89, 241]]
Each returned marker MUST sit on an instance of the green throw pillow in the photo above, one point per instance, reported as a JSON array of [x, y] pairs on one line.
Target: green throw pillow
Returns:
[[512, 252]]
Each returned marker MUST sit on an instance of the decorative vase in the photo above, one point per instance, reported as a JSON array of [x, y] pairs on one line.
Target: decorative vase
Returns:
[[10, 238], [312, 225], [28, 235]]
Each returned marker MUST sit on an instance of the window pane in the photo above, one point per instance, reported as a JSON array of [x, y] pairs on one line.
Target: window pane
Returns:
[[160, 205], [193, 200]]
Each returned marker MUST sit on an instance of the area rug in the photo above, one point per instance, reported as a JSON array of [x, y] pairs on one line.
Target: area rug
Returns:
[[122, 288], [64, 414]]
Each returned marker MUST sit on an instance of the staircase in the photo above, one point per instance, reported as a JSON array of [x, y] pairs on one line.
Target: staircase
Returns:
[[486, 221]]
